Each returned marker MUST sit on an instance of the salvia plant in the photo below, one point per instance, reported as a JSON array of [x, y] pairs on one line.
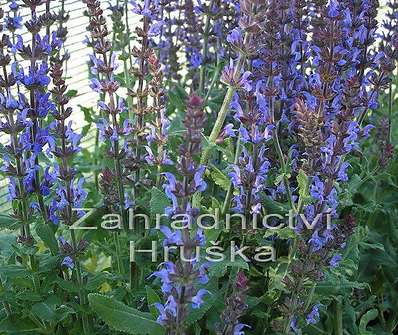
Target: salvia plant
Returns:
[[235, 175]]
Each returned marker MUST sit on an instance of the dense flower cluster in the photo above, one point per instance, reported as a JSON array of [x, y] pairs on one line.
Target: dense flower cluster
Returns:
[[180, 279], [15, 124], [32, 134], [44, 184], [259, 108], [158, 129], [111, 128]]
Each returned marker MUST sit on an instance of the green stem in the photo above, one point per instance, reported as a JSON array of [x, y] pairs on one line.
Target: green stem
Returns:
[[36, 280], [213, 82], [283, 166], [218, 124], [159, 172], [96, 146], [230, 191], [79, 279], [224, 108], [362, 116], [338, 317], [120, 186], [119, 261], [22, 203], [390, 112], [127, 81]]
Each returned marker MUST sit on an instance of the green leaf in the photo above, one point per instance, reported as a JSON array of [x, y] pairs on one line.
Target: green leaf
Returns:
[[62, 312], [365, 319], [274, 207], [3, 150], [13, 271], [17, 325], [220, 178], [218, 269], [152, 297], [196, 314], [47, 236], [158, 202], [44, 311], [71, 93], [8, 222], [67, 285], [85, 130], [284, 233], [89, 114], [124, 318], [96, 281], [304, 191]]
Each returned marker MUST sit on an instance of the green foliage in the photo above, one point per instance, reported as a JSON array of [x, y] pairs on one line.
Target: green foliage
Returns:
[[123, 318]]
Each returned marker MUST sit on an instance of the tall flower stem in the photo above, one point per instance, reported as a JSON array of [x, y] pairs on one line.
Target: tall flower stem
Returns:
[[25, 229], [282, 162], [228, 197], [22, 195], [116, 148], [141, 99], [338, 317], [35, 126], [128, 83], [213, 83], [104, 63], [64, 148], [79, 279], [222, 114], [390, 112], [205, 48], [126, 14], [48, 8]]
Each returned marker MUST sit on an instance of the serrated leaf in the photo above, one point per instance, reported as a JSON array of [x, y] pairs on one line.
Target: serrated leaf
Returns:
[[152, 298], [13, 271], [158, 202], [218, 269], [62, 312], [8, 222], [47, 236], [17, 325], [220, 178], [124, 318], [283, 233], [67, 285], [44, 311]]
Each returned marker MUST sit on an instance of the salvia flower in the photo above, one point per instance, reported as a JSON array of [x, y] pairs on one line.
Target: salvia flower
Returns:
[[235, 307], [104, 64], [70, 192], [180, 280], [313, 316]]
